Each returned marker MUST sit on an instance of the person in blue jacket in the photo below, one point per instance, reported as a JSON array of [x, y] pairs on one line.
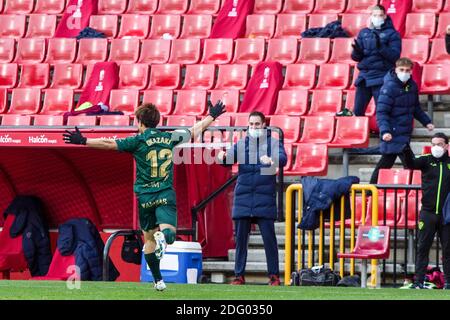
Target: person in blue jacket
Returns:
[[258, 155], [375, 49], [398, 106]]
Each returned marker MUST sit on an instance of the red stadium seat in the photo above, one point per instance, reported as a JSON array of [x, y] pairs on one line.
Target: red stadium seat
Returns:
[[155, 51], [92, 50], [3, 100], [298, 6], [325, 102], [329, 6], [288, 148], [61, 50], [196, 26], [416, 49], [30, 50], [204, 7], [232, 76], [282, 50], [351, 132], [57, 101], [185, 51], [81, 121], [25, 101], [49, 6], [290, 126], [7, 50], [394, 176], [230, 99], [310, 160], [435, 79], [19, 6], [439, 53], [191, 102], [446, 7], [420, 25], [360, 6], [260, 26], [162, 99], [133, 76], [125, 100], [290, 26], [173, 6], [142, 6], [124, 51], [105, 23], [165, 76], [180, 121], [444, 21], [67, 76], [433, 6], [12, 26], [300, 76], [350, 103], [222, 121], [134, 26], [334, 76], [314, 50], [342, 50], [115, 120], [354, 77], [366, 248], [267, 6], [112, 6], [217, 51], [292, 102], [15, 120], [353, 23], [165, 25], [321, 20], [318, 129], [249, 51], [199, 76], [8, 75], [34, 76], [41, 26], [48, 120]]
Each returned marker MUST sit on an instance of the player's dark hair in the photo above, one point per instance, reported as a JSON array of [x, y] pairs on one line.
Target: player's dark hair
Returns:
[[404, 62], [148, 115], [258, 114], [442, 136], [379, 7]]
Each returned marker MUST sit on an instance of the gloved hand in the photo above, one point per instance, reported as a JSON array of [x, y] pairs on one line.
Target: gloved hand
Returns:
[[216, 110], [74, 137], [357, 48], [377, 39]]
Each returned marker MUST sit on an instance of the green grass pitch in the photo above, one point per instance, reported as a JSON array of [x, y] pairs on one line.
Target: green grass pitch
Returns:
[[57, 290]]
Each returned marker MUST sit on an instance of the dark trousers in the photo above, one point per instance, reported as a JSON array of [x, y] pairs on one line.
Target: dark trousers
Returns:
[[267, 228], [386, 162], [363, 95], [429, 224]]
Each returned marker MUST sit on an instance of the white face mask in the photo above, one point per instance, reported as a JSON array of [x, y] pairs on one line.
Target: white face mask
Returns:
[[377, 21], [255, 133], [403, 76], [437, 151]]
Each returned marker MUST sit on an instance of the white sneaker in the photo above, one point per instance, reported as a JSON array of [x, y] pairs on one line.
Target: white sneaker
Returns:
[[161, 244], [160, 285]]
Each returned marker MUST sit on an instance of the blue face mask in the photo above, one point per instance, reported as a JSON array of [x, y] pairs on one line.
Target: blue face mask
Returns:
[[403, 76]]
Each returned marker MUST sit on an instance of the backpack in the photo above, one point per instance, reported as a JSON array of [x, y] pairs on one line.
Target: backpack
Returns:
[[316, 276], [132, 249]]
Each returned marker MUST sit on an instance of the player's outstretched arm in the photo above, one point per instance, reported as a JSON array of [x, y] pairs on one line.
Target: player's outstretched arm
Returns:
[[214, 112], [75, 137]]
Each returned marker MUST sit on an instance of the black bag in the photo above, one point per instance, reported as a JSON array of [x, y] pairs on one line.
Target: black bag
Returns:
[[132, 249], [318, 276]]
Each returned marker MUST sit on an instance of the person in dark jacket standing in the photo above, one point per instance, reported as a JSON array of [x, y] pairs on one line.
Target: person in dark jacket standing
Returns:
[[258, 156], [375, 49], [435, 168], [398, 105]]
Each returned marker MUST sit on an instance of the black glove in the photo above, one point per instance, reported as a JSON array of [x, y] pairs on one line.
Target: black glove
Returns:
[[74, 137], [216, 110], [377, 39], [357, 48]]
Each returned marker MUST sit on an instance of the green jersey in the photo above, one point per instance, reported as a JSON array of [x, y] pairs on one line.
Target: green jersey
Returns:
[[153, 151]]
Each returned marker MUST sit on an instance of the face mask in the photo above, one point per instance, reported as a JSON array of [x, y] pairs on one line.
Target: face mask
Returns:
[[255, 133], [437, 151], [377, 21], [403, 76]]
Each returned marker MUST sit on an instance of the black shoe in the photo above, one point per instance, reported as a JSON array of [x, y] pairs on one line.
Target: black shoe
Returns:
[[417, 285]]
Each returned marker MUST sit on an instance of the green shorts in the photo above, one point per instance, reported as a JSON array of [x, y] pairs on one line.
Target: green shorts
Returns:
[[157, 208]]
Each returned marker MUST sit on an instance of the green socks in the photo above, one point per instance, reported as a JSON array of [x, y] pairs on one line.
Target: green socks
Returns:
[[153, 263], [169, 235]]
